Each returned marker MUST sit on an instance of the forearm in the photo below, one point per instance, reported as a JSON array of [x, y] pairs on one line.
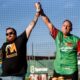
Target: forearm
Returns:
[[50, 26], [47, 21], [31, 25]]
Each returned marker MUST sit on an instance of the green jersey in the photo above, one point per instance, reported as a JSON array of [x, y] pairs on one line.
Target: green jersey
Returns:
[[66, 53]]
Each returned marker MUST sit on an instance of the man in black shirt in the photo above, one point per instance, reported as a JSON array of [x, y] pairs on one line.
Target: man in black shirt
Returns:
[[14, 61]]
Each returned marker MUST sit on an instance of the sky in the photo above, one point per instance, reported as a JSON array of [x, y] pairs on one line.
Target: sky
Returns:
[[19, 13]]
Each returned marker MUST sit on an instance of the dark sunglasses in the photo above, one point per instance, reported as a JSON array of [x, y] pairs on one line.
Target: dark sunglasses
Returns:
[[10, 33]]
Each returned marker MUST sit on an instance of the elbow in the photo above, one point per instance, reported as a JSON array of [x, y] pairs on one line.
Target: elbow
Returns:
[[78, 53], [50, 26]]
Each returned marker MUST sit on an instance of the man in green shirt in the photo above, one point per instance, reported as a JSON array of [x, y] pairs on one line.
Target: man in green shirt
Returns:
[[67, 47]]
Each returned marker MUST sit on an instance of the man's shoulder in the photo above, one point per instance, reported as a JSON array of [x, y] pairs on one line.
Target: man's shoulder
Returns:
[[5, 43], [74, 36], [22, 36]]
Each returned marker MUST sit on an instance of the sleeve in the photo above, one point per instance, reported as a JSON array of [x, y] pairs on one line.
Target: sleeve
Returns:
[[54, 32], [78, 47], [23, 37]]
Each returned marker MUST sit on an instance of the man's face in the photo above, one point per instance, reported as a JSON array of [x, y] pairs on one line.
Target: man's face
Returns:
[[10, 36], [66, 28]]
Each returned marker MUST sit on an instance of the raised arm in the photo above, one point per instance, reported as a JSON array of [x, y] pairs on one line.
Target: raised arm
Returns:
[[31, 25], [47, 21], [44, 17], [50, 26]]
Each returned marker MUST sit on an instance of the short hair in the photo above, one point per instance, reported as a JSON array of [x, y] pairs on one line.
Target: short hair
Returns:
[[12, 29], [69, 23]]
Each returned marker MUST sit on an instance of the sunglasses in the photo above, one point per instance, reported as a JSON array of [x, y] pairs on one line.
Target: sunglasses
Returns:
[[10, 33]]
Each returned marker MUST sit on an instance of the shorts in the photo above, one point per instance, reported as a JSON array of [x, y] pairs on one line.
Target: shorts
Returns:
[[73, 76]]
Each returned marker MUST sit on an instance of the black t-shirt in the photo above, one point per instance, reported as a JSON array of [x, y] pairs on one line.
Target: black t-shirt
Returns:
[[14, 61]]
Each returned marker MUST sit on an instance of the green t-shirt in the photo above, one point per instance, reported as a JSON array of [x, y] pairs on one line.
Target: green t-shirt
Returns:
[[66, 54]]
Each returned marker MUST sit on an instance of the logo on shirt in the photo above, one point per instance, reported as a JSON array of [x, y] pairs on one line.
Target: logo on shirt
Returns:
[[11, 50], [67, 47], [69, 44]]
